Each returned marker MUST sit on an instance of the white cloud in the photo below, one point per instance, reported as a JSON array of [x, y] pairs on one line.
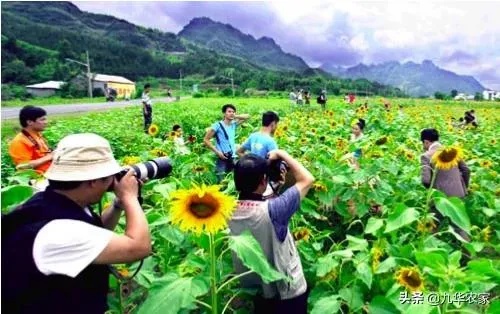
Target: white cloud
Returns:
[[346, 32]]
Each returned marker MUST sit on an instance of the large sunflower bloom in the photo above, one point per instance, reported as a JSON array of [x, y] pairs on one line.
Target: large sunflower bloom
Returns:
[[410, 278], [447, 157], [201, 208], [153, 130]]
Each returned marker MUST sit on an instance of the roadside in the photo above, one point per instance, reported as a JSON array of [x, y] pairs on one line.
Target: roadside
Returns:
[[53, 110]]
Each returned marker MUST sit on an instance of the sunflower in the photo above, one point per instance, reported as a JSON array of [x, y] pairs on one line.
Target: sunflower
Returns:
[[447, 157], [331, 276], [410, 278], [322, 138], [158, 152], [131, 160], [376, 253], [486, 234], [486, 164], [201, 208], [200, 169], [318, 186], [426, 226], [409, 155], [302, 234], [381, 141], [153, 130]]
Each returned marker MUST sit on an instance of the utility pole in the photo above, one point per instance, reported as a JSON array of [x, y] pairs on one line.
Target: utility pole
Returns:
[[232, 83], [89, 75], [180, 80]]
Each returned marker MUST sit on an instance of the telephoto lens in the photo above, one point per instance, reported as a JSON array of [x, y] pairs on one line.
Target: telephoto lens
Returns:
[[153, 169]]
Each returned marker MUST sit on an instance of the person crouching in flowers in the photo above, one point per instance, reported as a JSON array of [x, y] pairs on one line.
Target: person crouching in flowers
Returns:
[[268, 221], [452, 174], [180, 144]]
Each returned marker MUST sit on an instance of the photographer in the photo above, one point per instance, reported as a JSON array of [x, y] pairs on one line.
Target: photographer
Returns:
[[55, 250], [268, 223], [224, 132]]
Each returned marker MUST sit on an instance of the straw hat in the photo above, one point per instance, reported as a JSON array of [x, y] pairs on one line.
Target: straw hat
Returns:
[[82, 157]]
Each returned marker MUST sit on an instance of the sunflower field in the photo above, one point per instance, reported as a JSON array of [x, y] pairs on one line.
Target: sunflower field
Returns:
[[367, 240]]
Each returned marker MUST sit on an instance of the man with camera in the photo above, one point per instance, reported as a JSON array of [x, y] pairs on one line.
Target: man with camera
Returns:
[[55, 249], [268, 220], [224, 132]]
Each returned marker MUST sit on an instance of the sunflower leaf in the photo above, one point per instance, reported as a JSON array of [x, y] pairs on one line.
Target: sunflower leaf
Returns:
[[176, 295], [330, 304], [250, 253], [454, 208]]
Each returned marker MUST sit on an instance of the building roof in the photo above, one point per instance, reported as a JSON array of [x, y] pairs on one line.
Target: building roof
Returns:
[[111, 78], [47, 85]]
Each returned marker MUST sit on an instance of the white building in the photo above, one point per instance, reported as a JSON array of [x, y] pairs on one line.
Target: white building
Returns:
[[491, 95], [45, 89]]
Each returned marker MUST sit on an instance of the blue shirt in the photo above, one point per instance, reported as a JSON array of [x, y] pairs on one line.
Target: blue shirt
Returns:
[[282, 208], [225, 144], [260, 144]]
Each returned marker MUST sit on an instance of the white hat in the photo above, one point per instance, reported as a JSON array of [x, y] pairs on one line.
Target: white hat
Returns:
[[82, 157]]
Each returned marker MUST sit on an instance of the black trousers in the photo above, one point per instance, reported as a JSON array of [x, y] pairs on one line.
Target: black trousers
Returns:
[[147, 112], [297, 305]]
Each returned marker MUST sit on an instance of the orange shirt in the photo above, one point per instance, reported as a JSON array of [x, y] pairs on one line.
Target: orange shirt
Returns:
[[22, 150]]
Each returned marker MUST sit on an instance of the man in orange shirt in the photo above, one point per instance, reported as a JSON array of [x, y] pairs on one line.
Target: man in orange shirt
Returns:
[[28, 149]]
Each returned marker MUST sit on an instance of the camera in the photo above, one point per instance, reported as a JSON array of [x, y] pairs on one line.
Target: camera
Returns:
[[274, 169], [153, 169], [228, 155]]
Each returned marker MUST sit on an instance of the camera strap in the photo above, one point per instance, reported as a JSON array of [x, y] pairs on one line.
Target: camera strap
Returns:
[[225, 135], [35, 142]]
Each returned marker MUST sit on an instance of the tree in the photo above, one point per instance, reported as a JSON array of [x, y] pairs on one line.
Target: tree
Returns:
[[439, 95], [478, 96], [454, 93], [17, 72]]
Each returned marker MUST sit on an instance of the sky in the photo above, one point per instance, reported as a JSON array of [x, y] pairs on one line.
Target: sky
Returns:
[[460, 36]]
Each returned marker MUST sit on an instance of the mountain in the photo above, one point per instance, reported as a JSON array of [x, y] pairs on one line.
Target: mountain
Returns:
[[67, 16], [38, 38], [226, 39], [415, 79]]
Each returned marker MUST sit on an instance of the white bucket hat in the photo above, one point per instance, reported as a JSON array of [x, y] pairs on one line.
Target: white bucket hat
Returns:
[[82, 157]]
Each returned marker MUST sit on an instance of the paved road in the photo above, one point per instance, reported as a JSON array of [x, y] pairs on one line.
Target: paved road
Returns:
[[13, 112]]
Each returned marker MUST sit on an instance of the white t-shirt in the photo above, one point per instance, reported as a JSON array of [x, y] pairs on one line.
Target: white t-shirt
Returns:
[[146, 99], [67, 247]]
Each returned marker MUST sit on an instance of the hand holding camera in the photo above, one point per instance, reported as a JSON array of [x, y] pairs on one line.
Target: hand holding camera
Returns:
[[127, 187]]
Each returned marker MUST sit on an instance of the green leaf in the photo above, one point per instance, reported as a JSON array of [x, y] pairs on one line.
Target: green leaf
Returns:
[[164, 189], [175, 296], [380, 305], [401, 217], [343, 253], [252, 256], [454, 208], [339, 179], [330, 305], [365, 273], [433, 260], [14, 195], [485, 267], [325, 265], [353, 296], [356, 244], [494, 307], [388, 264], [172, 235], [373, 225]]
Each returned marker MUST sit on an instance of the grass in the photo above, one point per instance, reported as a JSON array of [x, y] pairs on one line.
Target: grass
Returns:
[[56, 100]]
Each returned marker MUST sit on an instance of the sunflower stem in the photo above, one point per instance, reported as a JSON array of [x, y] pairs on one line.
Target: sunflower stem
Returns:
[[213, 279], [248, 272]]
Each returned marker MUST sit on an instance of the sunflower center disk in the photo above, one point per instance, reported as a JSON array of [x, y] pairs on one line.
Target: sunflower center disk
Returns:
[[412, 279], [448, 155], [201, 209]]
